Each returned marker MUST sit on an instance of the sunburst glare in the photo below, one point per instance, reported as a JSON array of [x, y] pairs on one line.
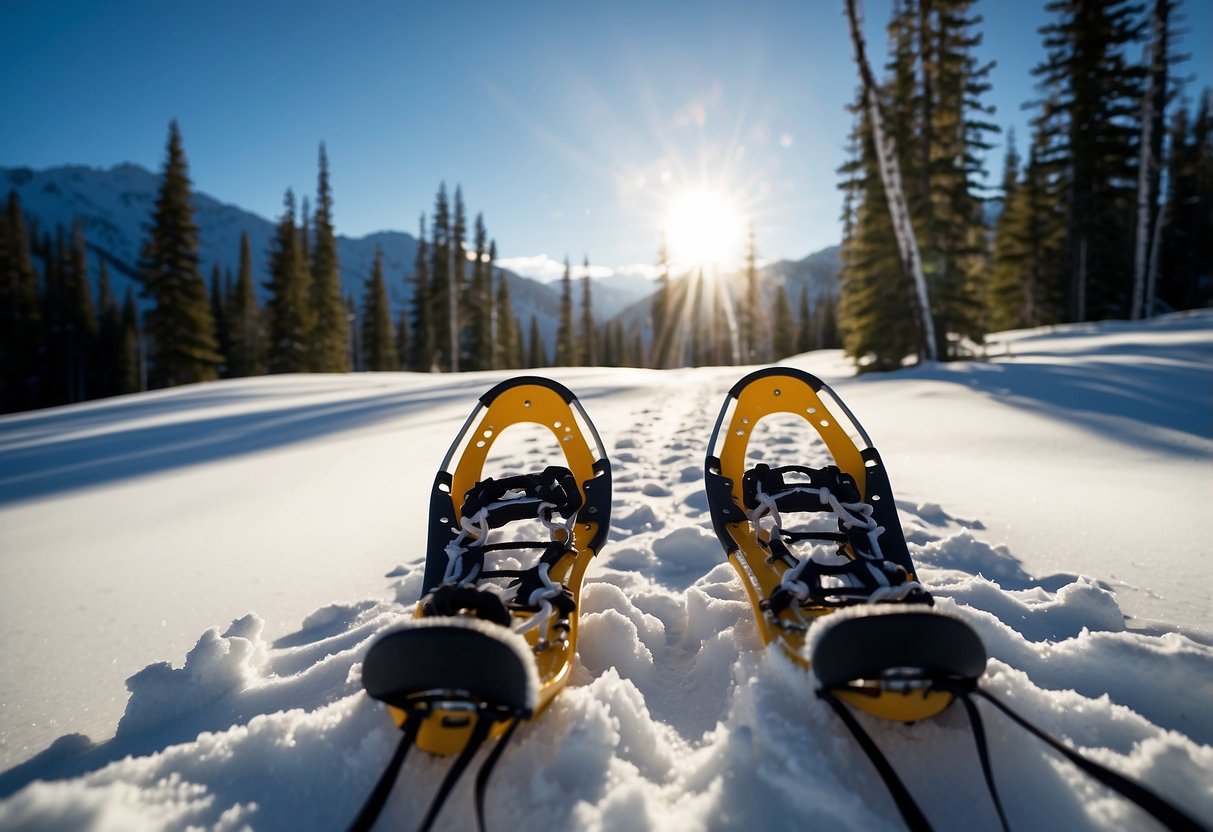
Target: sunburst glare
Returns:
[[703, 229]]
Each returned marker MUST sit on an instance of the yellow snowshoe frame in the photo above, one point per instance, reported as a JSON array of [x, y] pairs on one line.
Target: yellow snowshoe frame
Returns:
[[779, 390], [521, 400]]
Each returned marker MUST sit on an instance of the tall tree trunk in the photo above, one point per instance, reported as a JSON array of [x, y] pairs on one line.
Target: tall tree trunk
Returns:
[[890, 175], [1153, 103]]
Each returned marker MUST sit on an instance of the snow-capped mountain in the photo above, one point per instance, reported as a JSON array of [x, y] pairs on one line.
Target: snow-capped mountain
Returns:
[[115, 205]]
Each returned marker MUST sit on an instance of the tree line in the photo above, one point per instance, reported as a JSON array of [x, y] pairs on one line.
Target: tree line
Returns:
[[1109, 216], [59, 345]]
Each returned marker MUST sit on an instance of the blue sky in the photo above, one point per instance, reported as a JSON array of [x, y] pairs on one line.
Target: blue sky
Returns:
[[571, 126]]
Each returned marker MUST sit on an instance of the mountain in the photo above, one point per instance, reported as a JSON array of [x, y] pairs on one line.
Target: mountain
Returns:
[[818, 272], [115, 205]]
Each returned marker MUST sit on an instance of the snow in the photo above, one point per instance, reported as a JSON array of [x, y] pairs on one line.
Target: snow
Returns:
[[191, 578]]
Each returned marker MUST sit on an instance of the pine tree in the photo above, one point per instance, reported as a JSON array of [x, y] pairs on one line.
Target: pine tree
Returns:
[[887, 144], [1186, 245], [875, 298], [421, 347], [458, 278], [1087, 119], [508, 336], [81, 318], [219, 313], [589, 347], [1026, 285], [130, 357], [783, 331], [537, 354], [443, 292], [247, 350], [804, 334], [756, 345], [660, 309], [566, 346], [826, 323], [20, 313], [179, 324], [404, 340], [329, 341], [378, 339], [288, 310], [478, 304], [109, 338]]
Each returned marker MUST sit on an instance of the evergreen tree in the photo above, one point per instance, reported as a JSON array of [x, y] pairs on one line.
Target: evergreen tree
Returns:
[[329, 338], [1088, 122], [378, 339], [130, 355], [589, 347], [20, 313], [783, 333], [219, 313], [179, 324], [109, 338], [458, 277], [566, 346], [756, 344], [288, 310], [478, 304], [246, 356], [804, 334], [442, 282], [81, 318], [1026, 285], [422, 345], [537, 354], [1185, 259], [404, 340], [305, 224], [357, 354], [508, 336], [875, 298], [826, 323], [660, 309]]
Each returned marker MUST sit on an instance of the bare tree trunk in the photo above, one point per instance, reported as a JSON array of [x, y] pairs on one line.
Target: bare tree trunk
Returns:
[[1153, 104], [890, 175]]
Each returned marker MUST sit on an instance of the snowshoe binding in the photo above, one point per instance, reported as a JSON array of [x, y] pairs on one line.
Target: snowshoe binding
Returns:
[[489, 648], [858, 615]]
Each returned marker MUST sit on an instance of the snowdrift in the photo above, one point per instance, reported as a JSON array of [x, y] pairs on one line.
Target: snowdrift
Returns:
[[675, 718]]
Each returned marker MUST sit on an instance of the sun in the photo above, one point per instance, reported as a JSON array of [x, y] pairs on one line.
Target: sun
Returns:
[[703, 229]]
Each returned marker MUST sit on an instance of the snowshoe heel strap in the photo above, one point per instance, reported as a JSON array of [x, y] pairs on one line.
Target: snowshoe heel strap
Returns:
[[799, 493], [414, 663], [868, 648]]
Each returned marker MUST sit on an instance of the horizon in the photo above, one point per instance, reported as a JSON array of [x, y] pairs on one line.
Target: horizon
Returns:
[[572, 132]]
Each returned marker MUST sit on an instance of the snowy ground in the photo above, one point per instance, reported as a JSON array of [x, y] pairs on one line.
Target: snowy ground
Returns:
[[197, 573]]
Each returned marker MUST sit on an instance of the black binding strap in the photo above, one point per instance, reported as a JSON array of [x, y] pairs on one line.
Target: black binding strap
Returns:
[[480, 732], [910, 813], [983, 754], [486, 770], [378, 797], [1166, 813]]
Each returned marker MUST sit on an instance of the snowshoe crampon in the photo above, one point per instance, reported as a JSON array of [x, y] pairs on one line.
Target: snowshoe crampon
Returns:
[[820, 550], [490, 647]]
